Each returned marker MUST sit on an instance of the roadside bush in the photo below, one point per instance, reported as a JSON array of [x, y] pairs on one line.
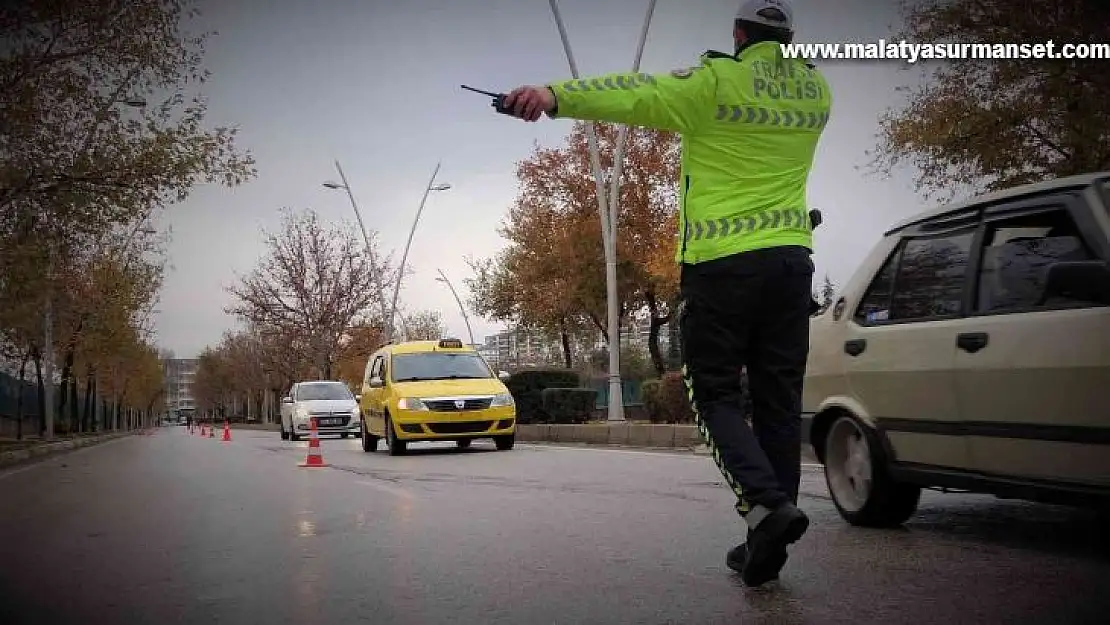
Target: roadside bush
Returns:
[[667, 401], [568, 405], [673, 400], [527, 389], [653, 407]]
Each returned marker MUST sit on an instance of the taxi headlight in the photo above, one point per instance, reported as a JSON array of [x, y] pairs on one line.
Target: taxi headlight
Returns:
[[411, 403], [501, 400]]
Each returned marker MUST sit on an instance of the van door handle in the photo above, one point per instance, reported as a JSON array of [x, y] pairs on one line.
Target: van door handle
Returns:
[[855, 347], [972, 342]]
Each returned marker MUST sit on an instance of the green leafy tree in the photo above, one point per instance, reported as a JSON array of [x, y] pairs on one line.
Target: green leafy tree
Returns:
[[992, 124]]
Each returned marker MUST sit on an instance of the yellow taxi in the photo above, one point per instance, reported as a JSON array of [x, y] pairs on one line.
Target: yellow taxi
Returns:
[[434, 391]]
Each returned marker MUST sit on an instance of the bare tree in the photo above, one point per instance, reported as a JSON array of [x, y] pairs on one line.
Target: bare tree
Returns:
[[314, 284], [425, 325]]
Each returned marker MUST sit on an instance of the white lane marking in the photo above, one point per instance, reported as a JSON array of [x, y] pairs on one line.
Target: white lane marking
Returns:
[[399, 492], [55, 459]]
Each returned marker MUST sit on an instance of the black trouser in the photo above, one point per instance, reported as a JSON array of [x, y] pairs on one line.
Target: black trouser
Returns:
[[750, 310]]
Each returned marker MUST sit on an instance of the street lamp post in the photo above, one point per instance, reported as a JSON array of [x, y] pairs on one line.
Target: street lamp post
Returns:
[[370, 250], [443, 278], [346, 186], [608, 214], [432, 186]]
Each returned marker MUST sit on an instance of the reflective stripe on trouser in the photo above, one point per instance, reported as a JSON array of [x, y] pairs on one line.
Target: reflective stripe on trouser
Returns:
[[742, 505]]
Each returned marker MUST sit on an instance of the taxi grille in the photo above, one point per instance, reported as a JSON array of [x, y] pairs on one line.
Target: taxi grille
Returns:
[[449, 405], [458, 427]]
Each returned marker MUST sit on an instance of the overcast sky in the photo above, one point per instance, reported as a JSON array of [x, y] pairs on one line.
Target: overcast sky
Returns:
[[375, 85]]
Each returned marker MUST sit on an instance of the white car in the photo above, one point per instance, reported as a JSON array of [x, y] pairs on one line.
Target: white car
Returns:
[[331, 404]]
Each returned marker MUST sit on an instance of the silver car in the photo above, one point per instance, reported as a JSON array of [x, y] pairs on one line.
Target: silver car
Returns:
[[331, 404]]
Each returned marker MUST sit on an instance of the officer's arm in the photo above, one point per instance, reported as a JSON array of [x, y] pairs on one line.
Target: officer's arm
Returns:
[[674, 101]]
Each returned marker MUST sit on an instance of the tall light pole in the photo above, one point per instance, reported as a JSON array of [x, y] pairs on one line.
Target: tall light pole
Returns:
[[51, 252], [608, 214], [432, 186], [346, 186], [462, 309]]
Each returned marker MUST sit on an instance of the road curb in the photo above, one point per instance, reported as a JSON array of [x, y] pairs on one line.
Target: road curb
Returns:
[[19, 456], [648, 436]]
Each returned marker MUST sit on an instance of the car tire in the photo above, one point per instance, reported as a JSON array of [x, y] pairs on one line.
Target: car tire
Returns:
[[343, 435], [505, 442], [463, 443], [369, 441], [396, 447], [857, 472]]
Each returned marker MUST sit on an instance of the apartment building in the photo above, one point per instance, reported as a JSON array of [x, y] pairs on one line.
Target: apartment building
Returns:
[[179, 375], [520, 348]]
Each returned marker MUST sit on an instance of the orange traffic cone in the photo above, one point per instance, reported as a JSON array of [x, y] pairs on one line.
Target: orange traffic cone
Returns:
[[314, 458], [227, 432]]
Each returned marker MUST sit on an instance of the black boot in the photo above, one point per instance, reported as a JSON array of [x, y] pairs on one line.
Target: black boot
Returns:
[[766, 546]]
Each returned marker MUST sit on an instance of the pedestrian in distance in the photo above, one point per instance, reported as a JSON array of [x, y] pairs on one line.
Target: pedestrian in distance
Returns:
[[750, 124]]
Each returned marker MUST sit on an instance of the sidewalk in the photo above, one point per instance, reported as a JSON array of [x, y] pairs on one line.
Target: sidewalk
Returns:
[[14, 452]]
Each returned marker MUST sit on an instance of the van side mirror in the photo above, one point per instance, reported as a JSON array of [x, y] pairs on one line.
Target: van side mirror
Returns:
[[358, 397], [1085, 281], [503, 375], [375, 382], [287, 400]]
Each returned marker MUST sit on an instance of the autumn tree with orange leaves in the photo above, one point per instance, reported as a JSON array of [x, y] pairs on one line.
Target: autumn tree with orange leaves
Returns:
[[551, 276]]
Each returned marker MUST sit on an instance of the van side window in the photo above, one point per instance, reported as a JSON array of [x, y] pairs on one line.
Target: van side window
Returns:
[[875, 305], [1016, 255], [931, 276], [376, 368]]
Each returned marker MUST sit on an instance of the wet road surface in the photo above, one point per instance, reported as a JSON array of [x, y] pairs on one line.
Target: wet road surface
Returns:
[[172, 528]]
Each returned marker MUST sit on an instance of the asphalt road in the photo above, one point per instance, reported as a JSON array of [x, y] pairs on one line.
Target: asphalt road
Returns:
[[172, 528]]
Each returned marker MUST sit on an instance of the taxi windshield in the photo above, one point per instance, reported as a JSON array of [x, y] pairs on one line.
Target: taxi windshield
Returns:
[[312, 392], [438, 366]]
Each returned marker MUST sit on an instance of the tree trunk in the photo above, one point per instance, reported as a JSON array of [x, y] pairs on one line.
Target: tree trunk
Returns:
[[74, 409], [568, 361], [653, 333], [602, 327], [87, 422], [64, 387], [42, 395], [19, 399]]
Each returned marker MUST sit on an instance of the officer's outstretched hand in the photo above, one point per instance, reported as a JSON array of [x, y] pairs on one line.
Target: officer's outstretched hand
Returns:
[[530, 102]]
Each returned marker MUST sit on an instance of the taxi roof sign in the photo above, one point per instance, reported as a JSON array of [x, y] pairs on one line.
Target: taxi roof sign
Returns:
[[451, 343]]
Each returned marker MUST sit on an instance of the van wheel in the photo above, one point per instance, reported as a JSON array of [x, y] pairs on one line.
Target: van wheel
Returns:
[[504, 443], [463, 443], [858, 475], [396, 447]]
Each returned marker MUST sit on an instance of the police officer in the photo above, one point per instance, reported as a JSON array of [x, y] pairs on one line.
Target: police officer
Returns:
[[750, 123]]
